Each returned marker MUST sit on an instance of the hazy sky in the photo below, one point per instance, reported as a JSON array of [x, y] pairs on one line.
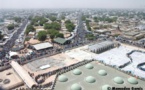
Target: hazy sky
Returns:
[[72, 3]]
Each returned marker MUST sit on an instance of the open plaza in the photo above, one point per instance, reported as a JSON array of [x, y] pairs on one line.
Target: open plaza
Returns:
[[66, 71]]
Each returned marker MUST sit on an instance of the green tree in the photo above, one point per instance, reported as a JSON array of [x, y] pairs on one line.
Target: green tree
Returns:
[[42, 21], [60, 35], [90, 36], [52, 18], [69, 25], [56, 25], [53, 25], [67, 21], [42, 35], [29, 28], [30, 17], [63, 17], [11, 26], [83, 18], [88, 25], [54, 33], [17, 19], [96, 19]]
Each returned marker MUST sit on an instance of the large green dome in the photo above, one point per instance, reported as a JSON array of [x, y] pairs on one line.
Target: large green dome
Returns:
[[89, 66], [132, 80], [118, 80], [102, 72], [105, 87], [62, 78], [77, 72], [76, 87], [90, 79]]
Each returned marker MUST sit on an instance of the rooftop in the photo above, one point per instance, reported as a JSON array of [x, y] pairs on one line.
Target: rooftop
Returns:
[[90, 79], [42, 46], [60, 40]]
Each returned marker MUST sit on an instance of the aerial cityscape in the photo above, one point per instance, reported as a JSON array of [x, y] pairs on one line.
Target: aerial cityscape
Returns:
[[72, 45]]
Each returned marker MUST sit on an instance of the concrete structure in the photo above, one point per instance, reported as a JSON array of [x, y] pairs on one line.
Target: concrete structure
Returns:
[[91, 80], [60, 41], [100, 47], [23, 74], [41, 46]]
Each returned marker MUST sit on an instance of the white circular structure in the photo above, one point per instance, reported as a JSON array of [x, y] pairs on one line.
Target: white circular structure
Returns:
[[102, 72], [76, 87], [106, 87], [89, 66], [90, 79], [132, 80], [118, 80], [77, 72], [62, 78]]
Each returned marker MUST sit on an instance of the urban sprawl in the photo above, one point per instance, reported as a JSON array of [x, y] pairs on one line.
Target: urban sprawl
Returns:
[[72, 49]]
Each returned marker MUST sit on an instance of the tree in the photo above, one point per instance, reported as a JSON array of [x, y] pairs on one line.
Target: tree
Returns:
[[56, 26], [42, 35], [83, 18], [54, 33], [60, 35], [36, 24], [69, 25], [17, 19], [63, 17], [67, 21], [11, 26], [52, 18], [88, 25], [30, 17], [90, 36], [42, 21], [29, 28], [53, 25], [96, 19]]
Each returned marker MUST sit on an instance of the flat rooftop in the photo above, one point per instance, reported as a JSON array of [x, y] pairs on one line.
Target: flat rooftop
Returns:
[[55, 62], [91, 79]]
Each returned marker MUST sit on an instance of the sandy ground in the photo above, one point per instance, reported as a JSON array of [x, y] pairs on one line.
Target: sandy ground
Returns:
[[60, 58], [15, 80]]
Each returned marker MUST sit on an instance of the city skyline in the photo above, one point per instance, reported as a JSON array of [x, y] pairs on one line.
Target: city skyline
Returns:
[[18, 4]]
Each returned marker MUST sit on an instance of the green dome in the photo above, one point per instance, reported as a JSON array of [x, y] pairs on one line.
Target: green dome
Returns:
[[132, 80], [77, 72], [89, 66], [76, 87], [118, 80], [102, 72], [90, 79], [62, 78], [105, 87]]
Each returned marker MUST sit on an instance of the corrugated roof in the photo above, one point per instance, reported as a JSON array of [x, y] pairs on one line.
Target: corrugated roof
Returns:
[[23, 74], [42, 46], [60, 40]]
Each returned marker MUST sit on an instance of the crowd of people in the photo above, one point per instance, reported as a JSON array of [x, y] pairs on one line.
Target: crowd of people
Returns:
[[10, 43], [131, 42], [139, 65], [41, 77]]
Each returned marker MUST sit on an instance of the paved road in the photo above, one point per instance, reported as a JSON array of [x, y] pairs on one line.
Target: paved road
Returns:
[[78, 40], [10, 43]]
